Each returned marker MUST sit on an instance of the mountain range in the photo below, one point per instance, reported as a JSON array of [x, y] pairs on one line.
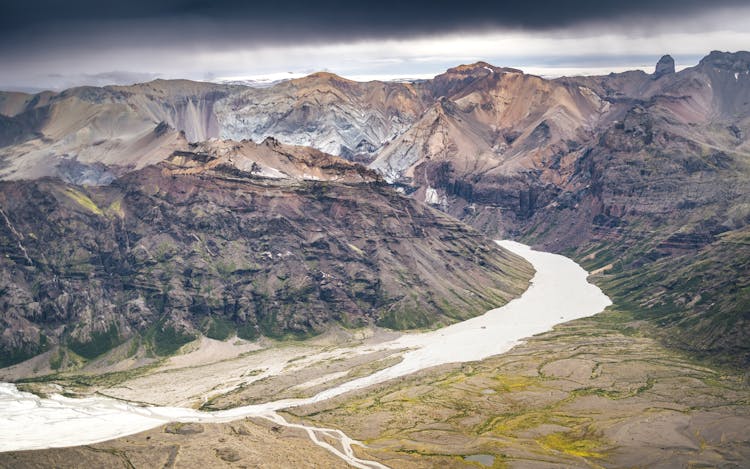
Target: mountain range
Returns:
[[156, 193]]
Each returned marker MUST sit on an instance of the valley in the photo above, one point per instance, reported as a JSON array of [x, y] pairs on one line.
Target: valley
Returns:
[[545, 303], [215, 246]]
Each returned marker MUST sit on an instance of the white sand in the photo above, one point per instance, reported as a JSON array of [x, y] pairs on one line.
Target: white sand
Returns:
[[559, 292]]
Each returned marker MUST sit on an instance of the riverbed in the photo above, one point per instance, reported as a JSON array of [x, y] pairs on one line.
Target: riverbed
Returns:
[[559, 292]]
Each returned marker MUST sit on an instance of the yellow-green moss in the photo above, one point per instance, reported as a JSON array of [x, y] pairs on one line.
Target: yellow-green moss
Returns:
[[571, 444], [115, 208], [83, 200]]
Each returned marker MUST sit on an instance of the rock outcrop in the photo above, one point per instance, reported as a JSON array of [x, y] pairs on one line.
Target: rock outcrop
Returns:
[[664, 66]]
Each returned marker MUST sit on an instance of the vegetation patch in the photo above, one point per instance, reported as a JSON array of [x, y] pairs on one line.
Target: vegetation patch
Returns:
[[166, 340], [100, 342], [575, 445], [218, 328], [83, 200]]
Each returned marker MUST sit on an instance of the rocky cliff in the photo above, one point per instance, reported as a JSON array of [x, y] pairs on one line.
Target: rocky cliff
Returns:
[[343, 117]]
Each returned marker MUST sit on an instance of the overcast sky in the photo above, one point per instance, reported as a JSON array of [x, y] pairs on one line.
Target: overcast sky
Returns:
[[57, 44]]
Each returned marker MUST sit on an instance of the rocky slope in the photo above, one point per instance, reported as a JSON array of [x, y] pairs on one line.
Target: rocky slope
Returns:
[[489, 122], [622, 170], [339, 116], [115, 125], [72, 133], [659, 201], [232, 237]]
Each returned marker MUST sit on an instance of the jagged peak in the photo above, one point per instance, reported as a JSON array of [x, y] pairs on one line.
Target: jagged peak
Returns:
[[665, 66], [473, 66]]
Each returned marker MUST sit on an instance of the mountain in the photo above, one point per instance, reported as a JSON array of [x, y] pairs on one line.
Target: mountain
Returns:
[[645, 178], [325, 111], [654, 195], [228, 237], [74, 132], [642, 177], [490, 122]]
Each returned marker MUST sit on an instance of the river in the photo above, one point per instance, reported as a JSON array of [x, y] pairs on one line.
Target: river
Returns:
[[559, 292]]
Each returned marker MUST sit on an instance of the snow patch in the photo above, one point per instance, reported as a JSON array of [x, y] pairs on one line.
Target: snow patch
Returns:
[[271, 173], [431, 196]]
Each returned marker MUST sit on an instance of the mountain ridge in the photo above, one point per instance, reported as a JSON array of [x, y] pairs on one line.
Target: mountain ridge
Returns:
[[225, 238], [629, 172]]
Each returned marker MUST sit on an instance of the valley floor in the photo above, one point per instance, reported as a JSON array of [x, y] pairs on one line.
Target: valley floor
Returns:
[[593, 392], [590, 393]]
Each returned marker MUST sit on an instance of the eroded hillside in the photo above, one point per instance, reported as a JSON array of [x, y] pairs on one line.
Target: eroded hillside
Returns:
[[227, 237]]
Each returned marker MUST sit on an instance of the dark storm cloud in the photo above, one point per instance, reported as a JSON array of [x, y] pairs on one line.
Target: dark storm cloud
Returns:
[[326, 19], [57, 43]]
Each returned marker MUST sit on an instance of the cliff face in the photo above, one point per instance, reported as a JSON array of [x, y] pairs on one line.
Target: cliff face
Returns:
[[233, 237], [73, 133]]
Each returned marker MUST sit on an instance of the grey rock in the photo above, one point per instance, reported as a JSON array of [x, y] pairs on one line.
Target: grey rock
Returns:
[[665, 66]]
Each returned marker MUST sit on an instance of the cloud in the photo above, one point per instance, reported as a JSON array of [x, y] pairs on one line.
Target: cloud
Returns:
[[199, 40], [292, 20], [550, 54], [50, 31], [118, 77]]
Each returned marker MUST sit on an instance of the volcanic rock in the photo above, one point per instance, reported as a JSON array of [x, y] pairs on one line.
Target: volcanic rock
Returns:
[[664, 66]]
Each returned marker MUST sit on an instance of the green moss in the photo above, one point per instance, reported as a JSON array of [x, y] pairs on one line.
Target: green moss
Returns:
[[56, 359], [83, 200], [225, 269], [217, 328], [167, 340], [86, 380], [135, 344], [115, 208], [698, 300], [247, 331], [572, 444], [508, 383], [99, 343], [8, 358], [405, 317]]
